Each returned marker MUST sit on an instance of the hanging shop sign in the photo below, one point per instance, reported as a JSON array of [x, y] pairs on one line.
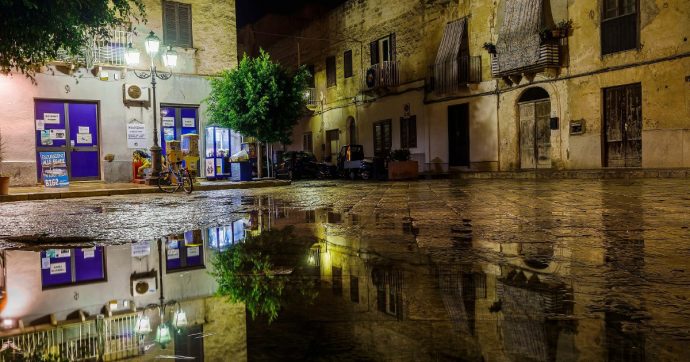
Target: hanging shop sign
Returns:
[[54, 169], [136, 134]]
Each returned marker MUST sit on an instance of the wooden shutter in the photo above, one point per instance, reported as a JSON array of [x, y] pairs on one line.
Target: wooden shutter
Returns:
[[169, 22], [374, 52], [412, 132], [347, 64], [404, 132], [392, 47], [330, 72], [184, 25]]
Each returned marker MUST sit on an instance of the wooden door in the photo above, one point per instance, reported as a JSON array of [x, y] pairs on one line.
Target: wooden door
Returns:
[[623, 126], [535, 134], [527, 144], [459, 135]]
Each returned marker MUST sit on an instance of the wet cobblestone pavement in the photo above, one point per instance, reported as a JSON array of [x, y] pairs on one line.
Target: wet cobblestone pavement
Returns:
[[492, 270]]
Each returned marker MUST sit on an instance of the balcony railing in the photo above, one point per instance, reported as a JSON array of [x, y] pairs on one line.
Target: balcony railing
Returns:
[[381, 75], [548, 58], [110, 52], [312, 97], [79, 341], [450, 76]]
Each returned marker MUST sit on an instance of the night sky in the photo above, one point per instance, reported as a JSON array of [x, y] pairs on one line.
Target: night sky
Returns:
[[249, 11]]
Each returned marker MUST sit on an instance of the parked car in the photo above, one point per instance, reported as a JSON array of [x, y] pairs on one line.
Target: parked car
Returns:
[[298, 164], [351, 163]]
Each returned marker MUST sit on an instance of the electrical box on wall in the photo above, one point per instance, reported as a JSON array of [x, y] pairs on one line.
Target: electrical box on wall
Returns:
[[133, 93]]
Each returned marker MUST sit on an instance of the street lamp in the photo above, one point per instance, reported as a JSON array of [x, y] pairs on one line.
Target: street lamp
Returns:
[[152, 45], [179, 320]]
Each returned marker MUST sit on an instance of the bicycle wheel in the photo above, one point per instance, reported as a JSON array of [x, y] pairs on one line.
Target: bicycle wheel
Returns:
[[187, 182], [167, 182]]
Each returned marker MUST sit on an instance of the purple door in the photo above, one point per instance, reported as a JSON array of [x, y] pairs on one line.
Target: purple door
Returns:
[[72, 128]]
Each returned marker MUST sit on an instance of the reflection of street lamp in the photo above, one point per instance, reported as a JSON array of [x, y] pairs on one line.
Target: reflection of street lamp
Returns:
[[179, 321], [152, 45]]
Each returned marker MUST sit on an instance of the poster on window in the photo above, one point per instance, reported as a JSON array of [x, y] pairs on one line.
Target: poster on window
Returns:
[[54, 169], [210, 167], [169, 134], [168, 121], [188, 122]]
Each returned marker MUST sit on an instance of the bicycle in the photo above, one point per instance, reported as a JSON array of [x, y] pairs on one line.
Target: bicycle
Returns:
[[174, 178]]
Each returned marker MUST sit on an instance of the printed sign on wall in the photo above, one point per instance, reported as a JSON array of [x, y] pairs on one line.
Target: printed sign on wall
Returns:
[[136, 134], [54, 169]]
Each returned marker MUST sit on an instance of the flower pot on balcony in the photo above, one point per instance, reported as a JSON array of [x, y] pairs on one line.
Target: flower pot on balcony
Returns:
[[402, 170], [4, 185], [556, 33]]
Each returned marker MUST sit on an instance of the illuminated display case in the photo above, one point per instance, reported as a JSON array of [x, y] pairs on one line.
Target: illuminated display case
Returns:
[[217, 152]]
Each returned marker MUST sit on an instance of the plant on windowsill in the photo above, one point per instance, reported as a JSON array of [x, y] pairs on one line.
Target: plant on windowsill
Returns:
[[490, 47], [4, 179], [401, 167], [562, 28]]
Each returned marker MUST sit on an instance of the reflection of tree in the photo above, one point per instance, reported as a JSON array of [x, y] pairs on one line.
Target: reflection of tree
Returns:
[[257, 271]]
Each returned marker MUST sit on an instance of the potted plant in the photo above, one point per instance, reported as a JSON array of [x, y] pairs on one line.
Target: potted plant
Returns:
[[4, 179], [490, 47], [401, 167], [562, 28]]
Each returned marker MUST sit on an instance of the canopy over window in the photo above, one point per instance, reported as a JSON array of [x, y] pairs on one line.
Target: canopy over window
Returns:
[[518, 37], [446, 69]]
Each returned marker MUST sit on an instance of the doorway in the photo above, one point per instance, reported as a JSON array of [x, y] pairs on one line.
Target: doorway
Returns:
[[180, 120], [534, 109], [351, 131], [332, 146], [459, 135], [623, 126], [70, 130]]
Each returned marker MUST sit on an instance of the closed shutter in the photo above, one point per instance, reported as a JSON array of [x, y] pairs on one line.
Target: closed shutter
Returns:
[[330, 72], [347, 64], [169, 22], [392, 48], [374, 50], [412, 132], [403, 132], [184, 25]]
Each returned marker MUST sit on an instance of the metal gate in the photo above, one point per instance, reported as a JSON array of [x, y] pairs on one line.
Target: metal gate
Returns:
[[535, 134], [623, 126]]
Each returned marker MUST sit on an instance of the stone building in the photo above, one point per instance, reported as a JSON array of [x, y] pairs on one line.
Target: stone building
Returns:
[[88, 109], [496, 85]]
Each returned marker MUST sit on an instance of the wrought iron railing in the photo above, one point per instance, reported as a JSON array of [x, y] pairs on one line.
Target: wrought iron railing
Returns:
[[312, 98], [448, 77], [381, 75], [549, 57], [80, 341], [109, 51]]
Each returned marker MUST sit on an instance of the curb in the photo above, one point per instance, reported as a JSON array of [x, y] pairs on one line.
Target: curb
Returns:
[[603, 174], [133, 191]]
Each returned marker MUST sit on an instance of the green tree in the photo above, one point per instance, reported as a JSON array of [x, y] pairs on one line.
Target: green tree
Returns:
[[259, 98], [33, 31]]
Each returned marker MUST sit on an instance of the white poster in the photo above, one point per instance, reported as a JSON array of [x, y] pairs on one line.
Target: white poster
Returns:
[[136, 134], [83, 129], [84, 138], [173, 254], [40, 125], [193, 251], [51, 118], [89, 252], [168, 121], [45, 263], [210, 167], [57, 134], [188, 122], [141, 249], [58, 268], [62, 253]]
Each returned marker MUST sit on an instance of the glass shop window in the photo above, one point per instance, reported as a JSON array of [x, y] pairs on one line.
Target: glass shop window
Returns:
[[184, 252], [65, 267]]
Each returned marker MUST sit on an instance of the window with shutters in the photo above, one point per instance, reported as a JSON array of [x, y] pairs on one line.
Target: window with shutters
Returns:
[[382, 138], [408, 132], [307, 142], [619, 26], [382, 50], [330, 72], [347, 64], [177, 24]]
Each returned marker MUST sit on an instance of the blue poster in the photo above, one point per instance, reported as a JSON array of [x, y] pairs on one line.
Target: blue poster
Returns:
[[54, 167]]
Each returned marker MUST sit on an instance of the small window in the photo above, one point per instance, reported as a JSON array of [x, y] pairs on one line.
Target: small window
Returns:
[[63, 267], [307, 142], [382, 50], [184, 253], [408, 132], [347, 64], [337, 280], [177, 24], [619, 26], [382, 138], [330, 72]]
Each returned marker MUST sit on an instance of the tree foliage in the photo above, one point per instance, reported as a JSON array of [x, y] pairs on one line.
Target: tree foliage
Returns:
[[33, 31], [257, 271], [259, 98]]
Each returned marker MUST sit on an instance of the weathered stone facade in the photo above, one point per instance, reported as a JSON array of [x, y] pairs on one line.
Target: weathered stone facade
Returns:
[[575, 87]]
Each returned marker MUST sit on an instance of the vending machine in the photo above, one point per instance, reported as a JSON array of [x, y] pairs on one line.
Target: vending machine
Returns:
[[217, 152]]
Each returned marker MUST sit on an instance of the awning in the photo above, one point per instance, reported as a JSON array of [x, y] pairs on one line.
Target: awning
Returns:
[[446, 64], [518, 37]]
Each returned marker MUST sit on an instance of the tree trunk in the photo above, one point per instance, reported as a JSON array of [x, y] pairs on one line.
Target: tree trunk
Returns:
[[259, 165]]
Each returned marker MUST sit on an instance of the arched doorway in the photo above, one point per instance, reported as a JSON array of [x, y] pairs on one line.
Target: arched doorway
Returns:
[[534, 110], [351, 131]]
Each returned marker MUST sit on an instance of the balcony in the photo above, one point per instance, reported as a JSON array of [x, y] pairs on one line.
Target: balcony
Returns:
[[311, 97], [109, 52], [548, 57], [382, 75], [450, 76]]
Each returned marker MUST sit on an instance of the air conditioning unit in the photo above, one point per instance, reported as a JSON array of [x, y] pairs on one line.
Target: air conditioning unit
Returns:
[[144, 286], [133, 93]]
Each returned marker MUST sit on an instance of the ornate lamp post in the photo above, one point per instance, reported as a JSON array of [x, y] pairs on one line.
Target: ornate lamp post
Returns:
[[152, 45]]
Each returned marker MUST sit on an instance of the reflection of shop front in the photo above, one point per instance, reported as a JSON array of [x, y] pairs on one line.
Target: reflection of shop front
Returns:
[[67, 141]]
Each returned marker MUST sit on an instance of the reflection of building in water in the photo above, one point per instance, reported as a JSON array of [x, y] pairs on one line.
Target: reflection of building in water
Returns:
[[55, 297]]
